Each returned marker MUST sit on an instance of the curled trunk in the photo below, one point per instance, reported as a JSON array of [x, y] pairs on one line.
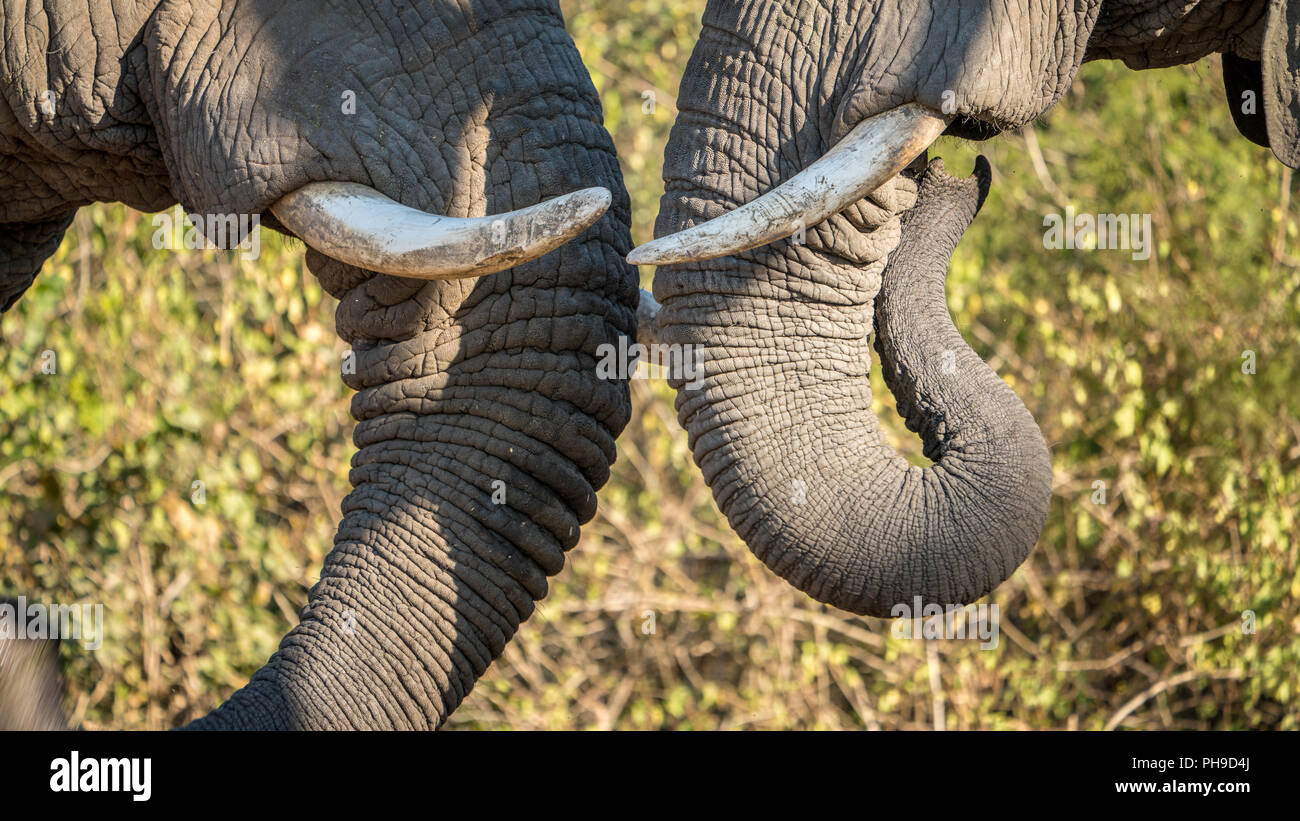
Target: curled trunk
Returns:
[[784, 431]]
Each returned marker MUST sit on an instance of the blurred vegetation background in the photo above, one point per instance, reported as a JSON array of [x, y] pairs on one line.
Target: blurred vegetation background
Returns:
[[184, 367]]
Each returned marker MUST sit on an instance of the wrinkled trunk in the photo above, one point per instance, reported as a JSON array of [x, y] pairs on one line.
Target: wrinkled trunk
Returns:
[[482, 439], [782, 423], [783, 427], [30, 682], [483, 430]]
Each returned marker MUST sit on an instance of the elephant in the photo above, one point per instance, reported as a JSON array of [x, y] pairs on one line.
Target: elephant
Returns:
[[786, 236], [476, 332], [446, 166], [30, 682]]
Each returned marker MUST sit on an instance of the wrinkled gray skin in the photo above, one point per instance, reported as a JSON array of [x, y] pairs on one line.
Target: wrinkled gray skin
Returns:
[[30, 683], [463, 108], [782, 426]]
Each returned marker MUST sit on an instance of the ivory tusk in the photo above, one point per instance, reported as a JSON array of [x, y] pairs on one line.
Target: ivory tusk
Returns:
[[866, 158], [356, 224], [647, 312]]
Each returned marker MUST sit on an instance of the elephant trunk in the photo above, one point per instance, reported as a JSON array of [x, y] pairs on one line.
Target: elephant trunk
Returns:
[[783, 428], [481, 443], [483, 431]]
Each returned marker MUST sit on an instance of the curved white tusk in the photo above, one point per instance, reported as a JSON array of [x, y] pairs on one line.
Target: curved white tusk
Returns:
[[647, 315], [874, 151], [358, 225]]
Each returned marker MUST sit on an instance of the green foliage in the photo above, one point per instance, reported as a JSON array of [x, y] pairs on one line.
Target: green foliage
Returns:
[[171, 368], [177, 367]]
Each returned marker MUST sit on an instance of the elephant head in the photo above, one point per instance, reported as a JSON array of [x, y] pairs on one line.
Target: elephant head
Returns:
[[439, 141], [795, 119]]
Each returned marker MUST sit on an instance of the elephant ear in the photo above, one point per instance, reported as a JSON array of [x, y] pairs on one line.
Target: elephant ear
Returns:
[[1243, 79], [1281, 80], [23, 250]]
